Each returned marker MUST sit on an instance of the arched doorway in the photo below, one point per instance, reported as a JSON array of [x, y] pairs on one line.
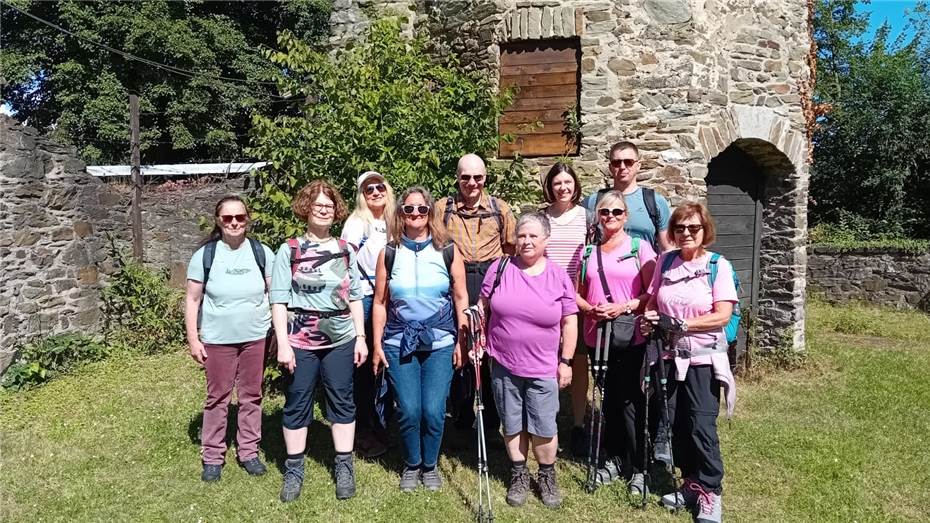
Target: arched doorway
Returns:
[[735, 190]]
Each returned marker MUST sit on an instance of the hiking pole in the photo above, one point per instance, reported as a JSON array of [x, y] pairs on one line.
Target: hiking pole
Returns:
[[666, 419], [476, 346], [647, 388], [596, 410]]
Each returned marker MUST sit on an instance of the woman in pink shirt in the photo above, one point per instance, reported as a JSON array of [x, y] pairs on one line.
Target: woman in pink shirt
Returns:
[[692, 312], [626, 265]]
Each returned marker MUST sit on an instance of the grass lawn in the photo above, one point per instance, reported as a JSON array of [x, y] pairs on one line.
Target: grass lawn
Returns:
[[844, 438]]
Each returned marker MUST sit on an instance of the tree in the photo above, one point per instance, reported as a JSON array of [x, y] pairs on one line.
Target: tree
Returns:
[[871, 166], [77, 91], [384, 104]]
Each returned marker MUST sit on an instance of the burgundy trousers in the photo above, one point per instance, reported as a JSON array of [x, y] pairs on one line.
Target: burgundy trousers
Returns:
[[238, 365]]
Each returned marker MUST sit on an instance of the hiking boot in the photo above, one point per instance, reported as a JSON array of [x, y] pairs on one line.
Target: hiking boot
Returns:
[[211, 473], [519, 486], [709, 506], [432, 480], [684, 497], [579, 442], [548, 488], [409, 479], [293, 479], [637, 485], [662, 449], [345, 477], [609, 473], [254, 466]]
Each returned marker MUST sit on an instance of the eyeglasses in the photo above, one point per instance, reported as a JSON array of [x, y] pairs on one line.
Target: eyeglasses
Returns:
[[693, 229], [608, 212], [623, 162], [320, 207], [477, 178], [421, 210], [229, 218], [370, 189]]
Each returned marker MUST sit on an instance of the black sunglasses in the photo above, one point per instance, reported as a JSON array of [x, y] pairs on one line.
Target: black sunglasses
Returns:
[[421, 210], [693, 229], [228, 218], [478, 178], [608, 212], [626, 162], [370, 189]]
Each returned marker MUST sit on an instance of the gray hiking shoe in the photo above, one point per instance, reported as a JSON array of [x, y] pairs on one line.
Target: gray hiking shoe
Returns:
[[663, 452], [548, 488], [211, 473], [609, 473], [684, 497], [432, 480], [409, 479], [293, 480], [637, 485], [345, 477], [254, 467], [519, 486], [709, 507]]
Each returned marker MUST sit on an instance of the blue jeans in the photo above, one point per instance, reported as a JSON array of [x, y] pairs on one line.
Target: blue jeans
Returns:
[[421, 385]]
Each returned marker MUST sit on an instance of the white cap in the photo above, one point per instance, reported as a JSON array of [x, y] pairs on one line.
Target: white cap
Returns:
[[362, 178]]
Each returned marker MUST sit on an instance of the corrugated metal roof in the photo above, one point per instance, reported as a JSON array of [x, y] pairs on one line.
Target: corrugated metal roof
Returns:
[[188, 169]]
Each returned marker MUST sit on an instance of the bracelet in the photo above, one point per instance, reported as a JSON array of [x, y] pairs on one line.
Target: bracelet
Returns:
[[361, 336]]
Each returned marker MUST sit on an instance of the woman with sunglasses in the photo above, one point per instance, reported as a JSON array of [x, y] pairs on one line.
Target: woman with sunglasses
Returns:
[[319, 324], [613, 282], [691, 310], [366, 230], [418, 310], [569, 224], [227, 319]]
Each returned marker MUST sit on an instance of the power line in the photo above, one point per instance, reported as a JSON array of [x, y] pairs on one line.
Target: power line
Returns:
[[129, 56]]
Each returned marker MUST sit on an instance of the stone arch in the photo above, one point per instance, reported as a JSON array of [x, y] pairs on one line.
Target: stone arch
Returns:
[[775, 154]]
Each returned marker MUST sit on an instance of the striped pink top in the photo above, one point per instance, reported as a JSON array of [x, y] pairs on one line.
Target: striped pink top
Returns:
[[566, 242]]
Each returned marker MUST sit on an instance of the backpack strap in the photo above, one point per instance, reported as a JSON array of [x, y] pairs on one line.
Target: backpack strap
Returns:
[[634, 252], [712, 269], [390, 252], [344, 251], [652, 208], [450, 205], [588, 249], [448, 256], [669, 260], [603, 277], [294, 244], [496, 211], [209, 252], [504, 260], [258, 252]]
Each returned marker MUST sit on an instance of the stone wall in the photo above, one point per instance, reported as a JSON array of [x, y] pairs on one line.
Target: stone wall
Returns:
[[682, 79], [883, 277]]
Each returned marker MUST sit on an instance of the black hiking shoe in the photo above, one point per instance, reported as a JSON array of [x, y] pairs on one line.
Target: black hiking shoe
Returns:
[[344, 470], [548, 488], [293, 479], [211, 473], [519, 486], [254, 466], [579, 442]]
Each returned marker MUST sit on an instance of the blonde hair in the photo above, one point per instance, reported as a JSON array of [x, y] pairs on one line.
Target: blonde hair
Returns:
[[433, 220], [362, 212], [609, 197]]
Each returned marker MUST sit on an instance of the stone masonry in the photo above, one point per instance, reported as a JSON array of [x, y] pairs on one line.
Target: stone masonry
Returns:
[[682, 79], [880, 276]]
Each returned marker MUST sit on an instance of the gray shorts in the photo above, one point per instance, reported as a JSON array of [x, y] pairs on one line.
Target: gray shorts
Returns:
[[529, 404]]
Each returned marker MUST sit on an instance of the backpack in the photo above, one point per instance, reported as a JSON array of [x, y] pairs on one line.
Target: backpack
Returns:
[[209, 253], [634, 253], [390, 252], [318, 259], [652, 208], [731, 329], [504, 260], [495, 212]]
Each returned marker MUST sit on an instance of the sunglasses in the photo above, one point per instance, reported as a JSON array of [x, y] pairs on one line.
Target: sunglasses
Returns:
[[370, 189], [623, 162], [228, 218], [478, 178], [693, 229], [608, 212], [421, 210]]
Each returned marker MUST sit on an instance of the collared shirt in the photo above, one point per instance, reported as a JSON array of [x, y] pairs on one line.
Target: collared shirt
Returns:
[[479, 239]]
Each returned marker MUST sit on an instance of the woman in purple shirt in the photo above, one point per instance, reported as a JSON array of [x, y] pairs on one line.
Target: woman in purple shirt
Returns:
[[531, 304]]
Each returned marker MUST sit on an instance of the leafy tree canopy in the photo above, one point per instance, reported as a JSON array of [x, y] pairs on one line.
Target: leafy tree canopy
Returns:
[[384, 104], [78, 92]]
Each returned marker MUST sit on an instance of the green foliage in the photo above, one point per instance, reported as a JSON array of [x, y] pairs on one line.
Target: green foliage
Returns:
[[855, 233], [142, 312], [872, 152], [45, 358], [79, 92], [384, 104]]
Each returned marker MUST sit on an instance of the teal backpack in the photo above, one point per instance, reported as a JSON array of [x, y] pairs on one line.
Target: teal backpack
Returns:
[[732, 327]]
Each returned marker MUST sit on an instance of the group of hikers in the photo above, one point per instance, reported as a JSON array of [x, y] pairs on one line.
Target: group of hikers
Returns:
[[422, 302]]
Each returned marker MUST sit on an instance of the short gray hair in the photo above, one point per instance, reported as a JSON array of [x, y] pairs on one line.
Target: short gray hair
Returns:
[[535, 217]]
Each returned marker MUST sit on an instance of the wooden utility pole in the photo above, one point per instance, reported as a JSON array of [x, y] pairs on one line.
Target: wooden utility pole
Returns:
[[136, 209]]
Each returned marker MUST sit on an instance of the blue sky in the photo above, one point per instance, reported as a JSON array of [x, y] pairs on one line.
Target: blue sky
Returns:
[[882, 10]]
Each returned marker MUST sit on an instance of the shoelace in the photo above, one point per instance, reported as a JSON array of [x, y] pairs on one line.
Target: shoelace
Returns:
[[410, 473], [705, 499], [294, 474], [343, 471], [548, 480], [519, 480]]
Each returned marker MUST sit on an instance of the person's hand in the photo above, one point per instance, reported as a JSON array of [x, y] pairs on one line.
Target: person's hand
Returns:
[[671, 324], [378, 360], [611, 311], [473, 357], [286, 357], [361, 351], [565, 375], [198, 352], [651, 317], [457, 359]]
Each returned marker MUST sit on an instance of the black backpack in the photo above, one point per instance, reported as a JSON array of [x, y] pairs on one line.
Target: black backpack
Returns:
[[390, 252], [495, 213], [652, 208], [209, 253]]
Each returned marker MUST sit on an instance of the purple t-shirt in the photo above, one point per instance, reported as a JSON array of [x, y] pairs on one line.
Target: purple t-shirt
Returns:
[[524, 328]]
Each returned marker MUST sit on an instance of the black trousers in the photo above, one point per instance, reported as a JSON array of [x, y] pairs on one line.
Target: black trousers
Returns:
[[624, 409]]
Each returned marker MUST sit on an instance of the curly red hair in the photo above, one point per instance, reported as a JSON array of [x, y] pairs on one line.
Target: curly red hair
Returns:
[[303, 202]]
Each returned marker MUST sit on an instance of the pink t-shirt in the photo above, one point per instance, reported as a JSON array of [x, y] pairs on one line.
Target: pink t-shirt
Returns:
[[566, 241], [684, 292], [623, 277], [524, 327]]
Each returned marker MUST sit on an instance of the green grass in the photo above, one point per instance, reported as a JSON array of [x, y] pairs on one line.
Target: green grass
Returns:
[[842, 439]]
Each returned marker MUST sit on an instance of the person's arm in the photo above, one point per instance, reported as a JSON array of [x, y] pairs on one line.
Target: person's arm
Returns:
[[286, 357], [279, 294], [192, 300], [715, 319], [357, 310], [460, 302], [379, 315], [569, 326]]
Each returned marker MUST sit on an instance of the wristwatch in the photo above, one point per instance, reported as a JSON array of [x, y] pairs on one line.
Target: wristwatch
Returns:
[[567, 361]]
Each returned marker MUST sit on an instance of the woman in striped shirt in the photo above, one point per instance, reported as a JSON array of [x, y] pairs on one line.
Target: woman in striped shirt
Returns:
[[569, 224]]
